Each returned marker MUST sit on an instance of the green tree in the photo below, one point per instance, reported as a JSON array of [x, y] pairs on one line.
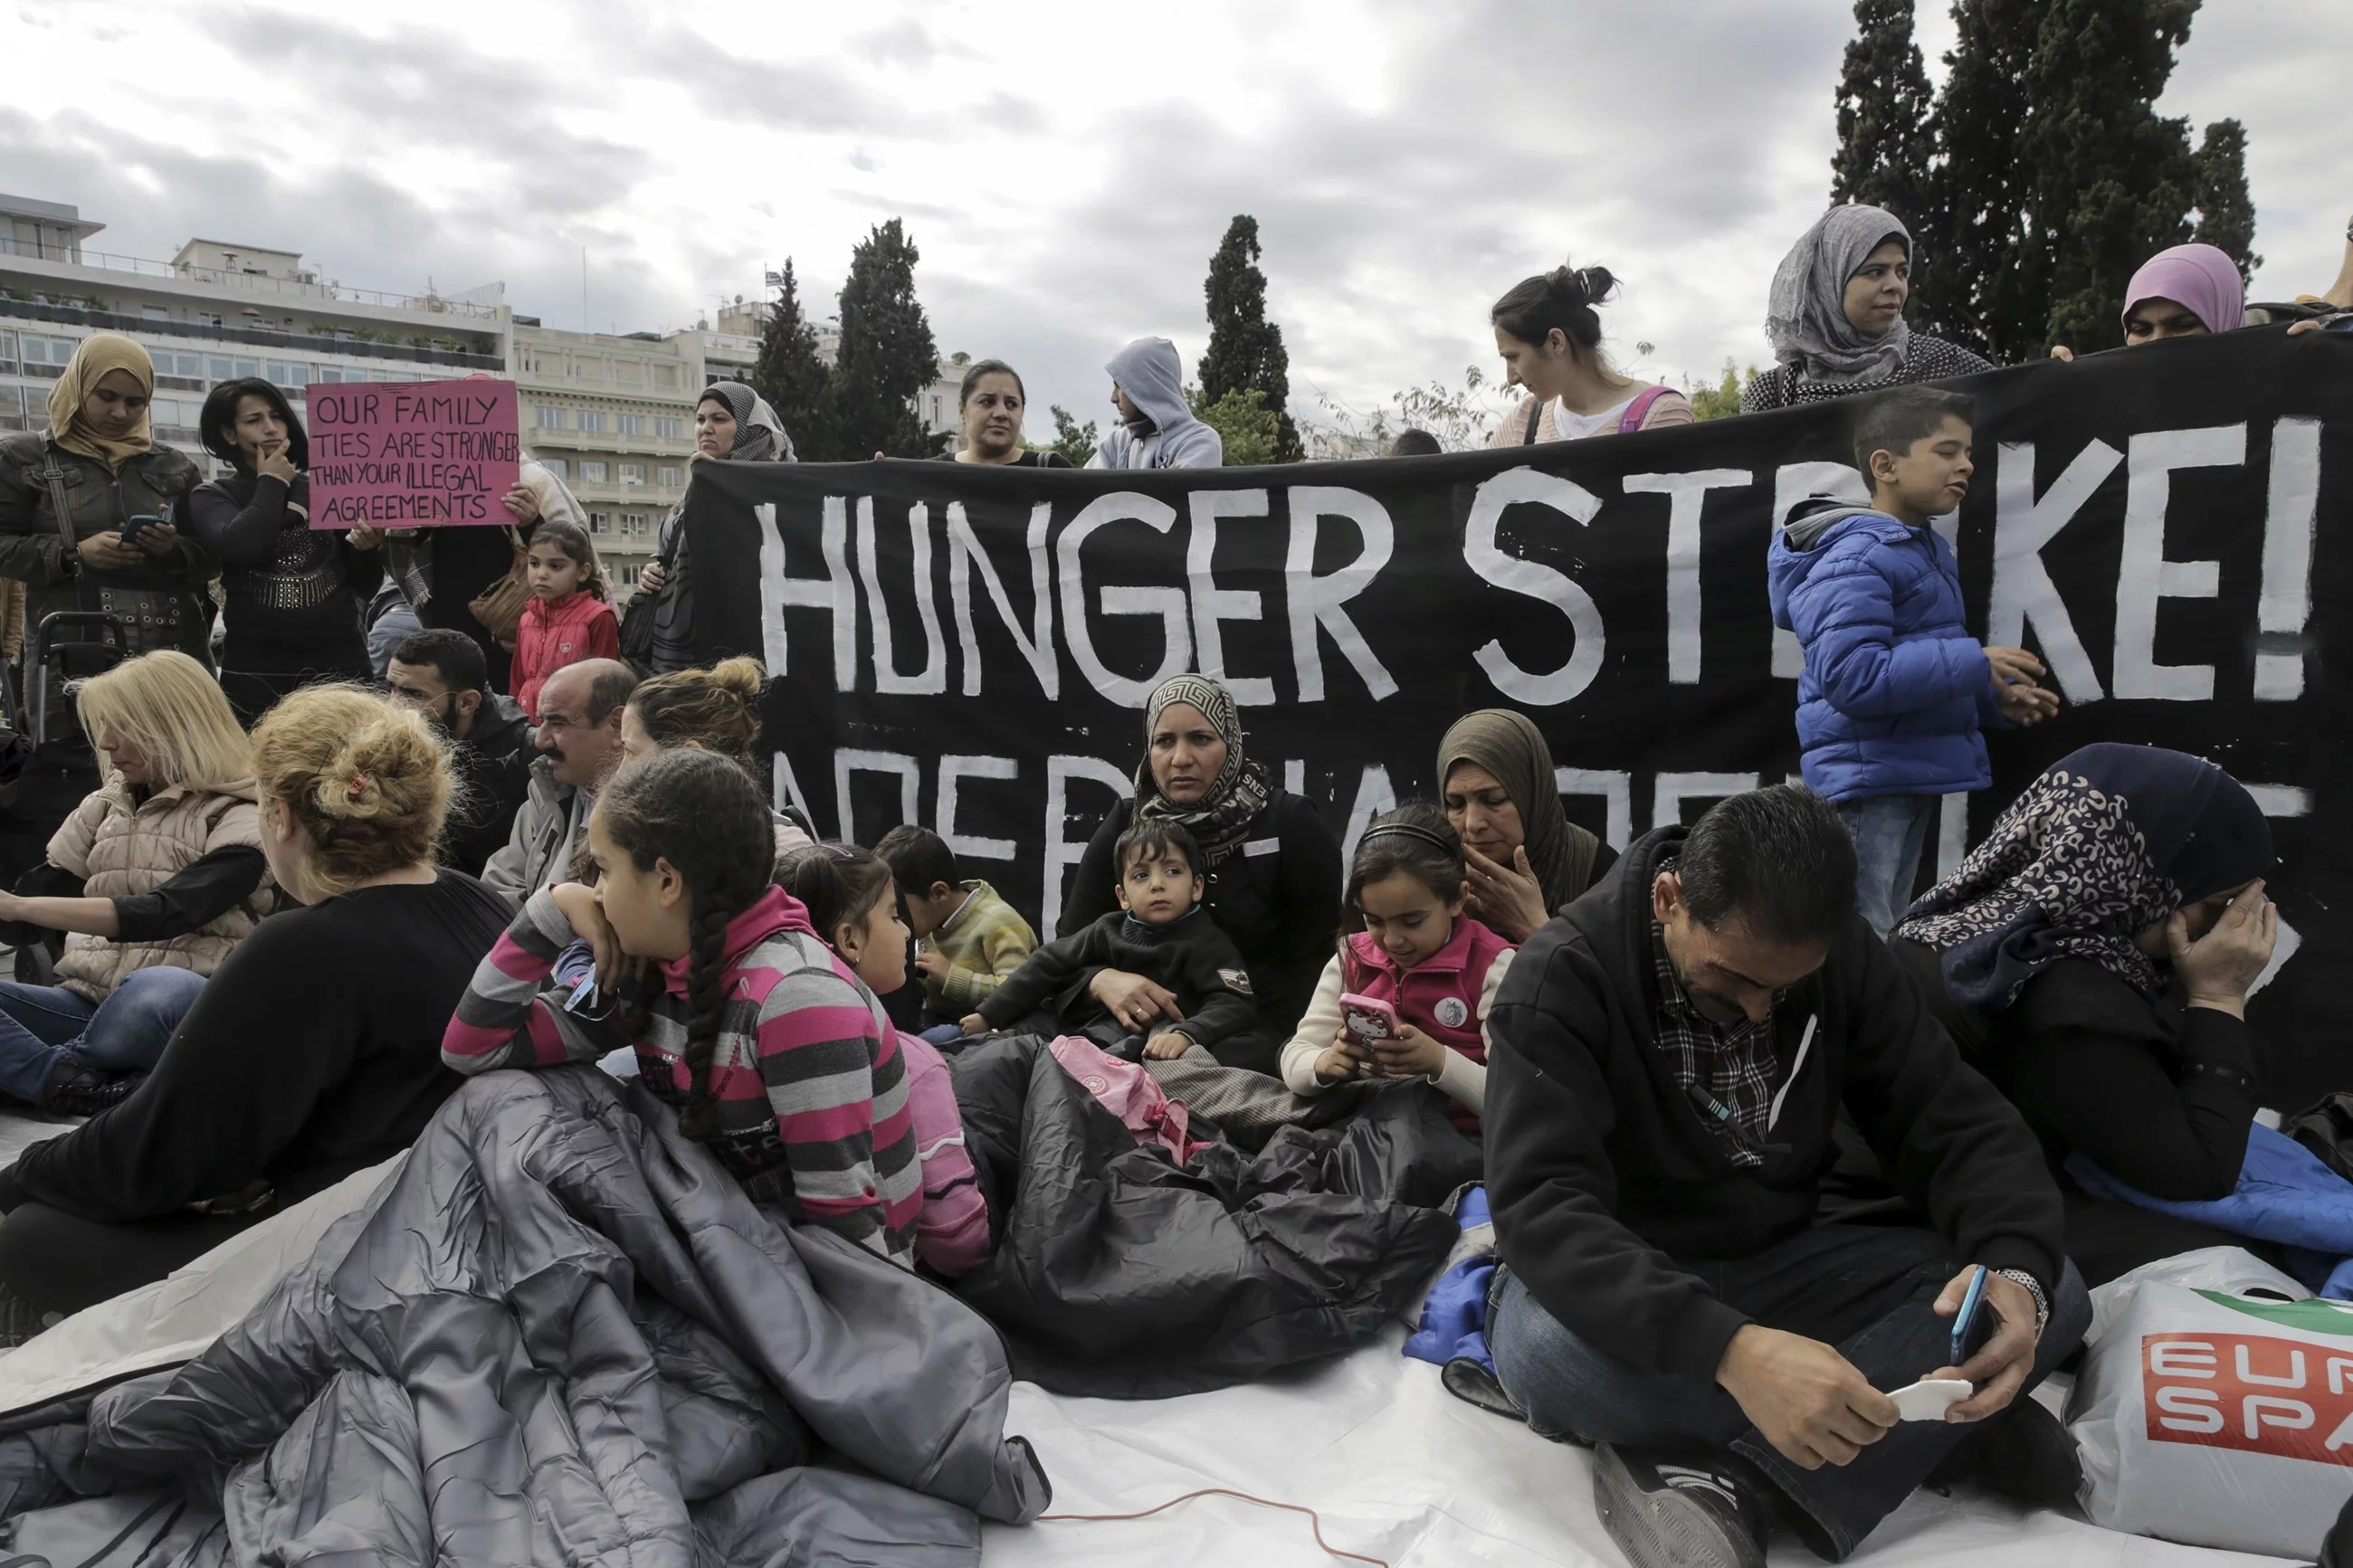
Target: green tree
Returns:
[[1246, 351], [792, 375], [2226, 213], [1251, 431], [1461, 417], [1885, 142], [1075, 441], [887, 355], [1721, 400], [1970, 272], [2109, 181]]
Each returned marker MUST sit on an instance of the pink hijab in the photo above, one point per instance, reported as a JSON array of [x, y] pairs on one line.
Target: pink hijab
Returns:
[[2199, 276]]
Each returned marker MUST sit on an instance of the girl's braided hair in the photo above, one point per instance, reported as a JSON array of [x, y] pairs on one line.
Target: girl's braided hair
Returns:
[[701, 813]]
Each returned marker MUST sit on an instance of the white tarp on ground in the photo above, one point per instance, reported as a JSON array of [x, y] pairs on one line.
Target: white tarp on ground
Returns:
[[1401, 1470]]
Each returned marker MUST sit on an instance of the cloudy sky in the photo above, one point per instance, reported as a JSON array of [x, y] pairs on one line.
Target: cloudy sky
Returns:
[[1066, 169]]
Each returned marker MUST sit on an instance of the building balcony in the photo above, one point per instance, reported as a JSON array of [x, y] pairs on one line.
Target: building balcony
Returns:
[[283, 342]]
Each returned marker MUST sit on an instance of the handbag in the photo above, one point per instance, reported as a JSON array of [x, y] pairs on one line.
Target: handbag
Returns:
[[151, 618], [638, 620], [499, 607]]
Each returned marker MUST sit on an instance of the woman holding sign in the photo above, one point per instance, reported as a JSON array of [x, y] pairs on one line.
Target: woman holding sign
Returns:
[[734, 422], [86, 511], [293, 593], [1273, 867], [1836, 316]]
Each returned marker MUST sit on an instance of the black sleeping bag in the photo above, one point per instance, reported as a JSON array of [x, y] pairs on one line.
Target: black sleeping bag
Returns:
[[1117, 1275]]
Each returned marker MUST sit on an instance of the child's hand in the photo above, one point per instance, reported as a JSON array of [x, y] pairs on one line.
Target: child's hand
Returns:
[[1337, 1065], [1167, 1047], [2014, 667], [2028, 705], [973, 1023], [587, 918], [931, 966], [1411, 1054]]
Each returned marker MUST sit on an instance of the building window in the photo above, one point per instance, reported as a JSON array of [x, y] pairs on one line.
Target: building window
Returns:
[[633, 473], [669, 429], [592, 422], [630, 576], [592, 472], [153, 313], [556, 466], [547, 418], [9, 353], [632, 423], [599, 522], [289, 373], [672, 478], [12, 408], [46, 356], [936, 411], [168, 361], [208, 319]]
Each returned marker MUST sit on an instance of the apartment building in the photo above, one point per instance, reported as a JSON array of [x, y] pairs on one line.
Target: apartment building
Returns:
[[217, 310]]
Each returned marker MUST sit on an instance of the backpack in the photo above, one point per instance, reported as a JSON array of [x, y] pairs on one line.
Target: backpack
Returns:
[[1628, 423]]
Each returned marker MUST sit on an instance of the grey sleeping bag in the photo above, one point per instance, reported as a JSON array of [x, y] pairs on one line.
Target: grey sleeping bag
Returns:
[[562, 1334]]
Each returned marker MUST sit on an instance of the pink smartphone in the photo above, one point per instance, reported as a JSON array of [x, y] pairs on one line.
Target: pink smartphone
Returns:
[[1367, 1019]]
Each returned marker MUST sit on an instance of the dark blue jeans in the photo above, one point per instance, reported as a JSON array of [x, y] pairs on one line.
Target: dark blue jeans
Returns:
[[1890, 832], [42, 1026], [1865, 1289]]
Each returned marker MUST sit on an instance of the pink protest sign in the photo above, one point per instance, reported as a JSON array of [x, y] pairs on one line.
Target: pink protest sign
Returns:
[[412, 454]]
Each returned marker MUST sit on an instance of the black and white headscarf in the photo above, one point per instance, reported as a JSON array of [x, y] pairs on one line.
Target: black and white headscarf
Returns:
[[1221, 820]]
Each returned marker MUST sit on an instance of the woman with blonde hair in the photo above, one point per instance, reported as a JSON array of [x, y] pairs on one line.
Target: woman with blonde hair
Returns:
[[154, 879], [313, 1052], [88, 510]]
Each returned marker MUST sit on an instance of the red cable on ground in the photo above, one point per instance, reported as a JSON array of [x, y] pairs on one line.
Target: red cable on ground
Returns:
[[1313, 1522]]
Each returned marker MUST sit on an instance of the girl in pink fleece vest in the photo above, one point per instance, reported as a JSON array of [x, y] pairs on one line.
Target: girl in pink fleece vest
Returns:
[[1435, 965], [567, 619]]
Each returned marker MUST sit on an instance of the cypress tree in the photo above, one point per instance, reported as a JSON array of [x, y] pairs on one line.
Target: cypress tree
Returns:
[[793, 375], [2226, 213], [887, 355], [1884, 107], [1972, 282], [1246, 349]]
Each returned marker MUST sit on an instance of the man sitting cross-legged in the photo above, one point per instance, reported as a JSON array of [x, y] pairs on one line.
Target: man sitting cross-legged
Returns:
[[1668, 1058]]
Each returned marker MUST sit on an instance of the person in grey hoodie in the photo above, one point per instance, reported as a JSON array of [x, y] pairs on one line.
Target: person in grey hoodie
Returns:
[[1158, 430]]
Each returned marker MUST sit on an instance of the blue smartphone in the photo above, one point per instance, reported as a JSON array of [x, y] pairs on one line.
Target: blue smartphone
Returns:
[[132, 527], [1967, 1339]]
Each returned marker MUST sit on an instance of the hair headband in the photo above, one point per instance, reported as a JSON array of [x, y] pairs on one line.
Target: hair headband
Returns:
[[1413, 830]]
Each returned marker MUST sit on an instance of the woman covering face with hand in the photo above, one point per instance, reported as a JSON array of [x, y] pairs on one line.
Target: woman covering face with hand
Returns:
[[88, 511], [1274, 868], [1526, 859]]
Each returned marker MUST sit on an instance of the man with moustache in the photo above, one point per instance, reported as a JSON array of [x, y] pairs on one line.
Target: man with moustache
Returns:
[[579, 745]]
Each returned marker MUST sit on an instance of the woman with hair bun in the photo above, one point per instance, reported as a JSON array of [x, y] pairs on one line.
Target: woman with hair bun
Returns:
[[313, 1052], [1549, 333], [716, 710]]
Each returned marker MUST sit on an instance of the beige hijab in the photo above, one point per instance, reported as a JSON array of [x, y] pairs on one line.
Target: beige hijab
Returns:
[[100, 354]]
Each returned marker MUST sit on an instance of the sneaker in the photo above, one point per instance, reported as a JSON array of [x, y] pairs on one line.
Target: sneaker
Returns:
[[2023, 1454], [1679, 1513], [86, 1091]]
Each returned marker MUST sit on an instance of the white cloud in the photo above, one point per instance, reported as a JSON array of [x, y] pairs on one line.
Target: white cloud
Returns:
[[1066, 169]]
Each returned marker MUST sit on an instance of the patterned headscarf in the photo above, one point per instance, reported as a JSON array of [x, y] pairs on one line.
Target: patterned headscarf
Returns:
[[759, 435], [96, 355], [1510, 746], [1805, 316], [1221, 820], [2108, 842]]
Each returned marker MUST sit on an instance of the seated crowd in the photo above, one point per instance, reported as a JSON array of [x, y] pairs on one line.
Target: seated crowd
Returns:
[[1656, 1044]]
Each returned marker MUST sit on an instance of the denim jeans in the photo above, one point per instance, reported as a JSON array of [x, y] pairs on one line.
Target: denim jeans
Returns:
[[1865, 1289], [42, 1026], [1890, 832]]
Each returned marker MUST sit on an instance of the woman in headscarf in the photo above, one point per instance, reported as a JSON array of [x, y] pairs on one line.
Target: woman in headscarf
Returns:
[[293, 592], [1526, 859], [734, 422], [2186, 291], [1274, 868], [2092, 958], [89, 511], [1836, 316]]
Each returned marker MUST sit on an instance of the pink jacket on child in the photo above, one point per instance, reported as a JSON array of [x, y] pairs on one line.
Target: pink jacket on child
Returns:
[[1446, 997], [569, 630]]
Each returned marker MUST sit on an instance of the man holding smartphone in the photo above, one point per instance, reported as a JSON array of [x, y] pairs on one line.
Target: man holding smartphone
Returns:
[[1669, 1064]]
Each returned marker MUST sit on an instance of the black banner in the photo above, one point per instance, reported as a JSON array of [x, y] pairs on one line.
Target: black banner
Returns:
[[969, 646]]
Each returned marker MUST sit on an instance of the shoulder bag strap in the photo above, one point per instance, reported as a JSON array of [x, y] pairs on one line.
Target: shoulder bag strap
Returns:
[[69, 560], [1536, 418], [1639, 410]]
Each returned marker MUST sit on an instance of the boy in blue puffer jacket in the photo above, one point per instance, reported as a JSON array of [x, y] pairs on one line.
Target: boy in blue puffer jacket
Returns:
[[1896, 691]]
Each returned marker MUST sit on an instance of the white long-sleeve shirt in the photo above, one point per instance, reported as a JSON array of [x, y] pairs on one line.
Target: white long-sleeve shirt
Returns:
[[1462, 1080]]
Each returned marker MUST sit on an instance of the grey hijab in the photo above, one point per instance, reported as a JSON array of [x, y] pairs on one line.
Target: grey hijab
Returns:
[[1805, 315], [760, 436]]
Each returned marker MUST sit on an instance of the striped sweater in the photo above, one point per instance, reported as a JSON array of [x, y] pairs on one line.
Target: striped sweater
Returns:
[[809, 1085], [984, 941]]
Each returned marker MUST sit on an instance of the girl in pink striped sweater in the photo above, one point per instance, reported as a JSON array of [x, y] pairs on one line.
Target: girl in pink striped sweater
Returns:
[[741, 1014]]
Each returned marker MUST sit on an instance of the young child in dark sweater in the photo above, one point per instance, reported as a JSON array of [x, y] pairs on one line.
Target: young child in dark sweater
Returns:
[[1161, 932]]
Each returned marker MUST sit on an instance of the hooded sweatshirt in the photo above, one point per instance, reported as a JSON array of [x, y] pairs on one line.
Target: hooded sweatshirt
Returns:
[[1895, 692], [1149, 371], [1609, 1191]]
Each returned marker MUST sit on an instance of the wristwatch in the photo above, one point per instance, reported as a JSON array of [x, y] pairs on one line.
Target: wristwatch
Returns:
[[2041, 1303]]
